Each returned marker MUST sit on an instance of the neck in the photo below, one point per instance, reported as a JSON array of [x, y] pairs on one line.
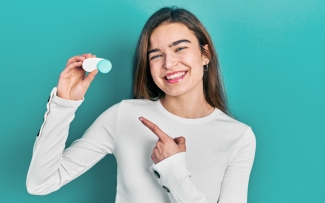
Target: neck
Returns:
[[193, 106]]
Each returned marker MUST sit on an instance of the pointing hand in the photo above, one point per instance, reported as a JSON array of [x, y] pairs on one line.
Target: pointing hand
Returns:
[[165, 146]]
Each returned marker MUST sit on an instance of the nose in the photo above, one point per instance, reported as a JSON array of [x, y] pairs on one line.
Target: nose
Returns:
[[170, 61]]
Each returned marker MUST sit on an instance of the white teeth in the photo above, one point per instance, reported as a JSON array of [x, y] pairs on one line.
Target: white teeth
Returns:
[[176, 75]]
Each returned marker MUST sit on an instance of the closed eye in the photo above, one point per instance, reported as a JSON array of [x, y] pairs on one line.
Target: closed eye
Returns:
[[155, 56], [180, 48]]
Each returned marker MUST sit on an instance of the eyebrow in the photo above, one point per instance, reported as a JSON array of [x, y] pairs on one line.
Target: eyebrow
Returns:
[[171, 45]]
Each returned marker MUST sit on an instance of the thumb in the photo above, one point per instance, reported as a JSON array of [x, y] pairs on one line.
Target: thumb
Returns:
[[180, 140], [90, 77]]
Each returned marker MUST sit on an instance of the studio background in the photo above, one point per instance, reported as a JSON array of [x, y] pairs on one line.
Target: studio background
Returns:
[[272, 58]]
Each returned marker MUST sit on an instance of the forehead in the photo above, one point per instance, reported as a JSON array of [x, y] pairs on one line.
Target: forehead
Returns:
[[168, 33]]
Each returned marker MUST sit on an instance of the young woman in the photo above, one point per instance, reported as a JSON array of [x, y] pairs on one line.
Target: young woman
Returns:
[[174, 143]]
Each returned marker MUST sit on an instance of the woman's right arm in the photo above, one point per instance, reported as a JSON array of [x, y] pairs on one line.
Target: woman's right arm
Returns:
[[51, 166]]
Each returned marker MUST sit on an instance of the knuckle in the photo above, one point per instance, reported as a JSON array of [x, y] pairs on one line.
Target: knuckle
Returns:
[[155, 151], [154, 128], [72, 58]]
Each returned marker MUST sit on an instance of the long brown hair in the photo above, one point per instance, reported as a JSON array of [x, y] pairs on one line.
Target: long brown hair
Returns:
[[143, 85]]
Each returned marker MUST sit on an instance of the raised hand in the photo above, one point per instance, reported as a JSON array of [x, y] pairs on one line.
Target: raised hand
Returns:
[[73, 82], [165, 146]]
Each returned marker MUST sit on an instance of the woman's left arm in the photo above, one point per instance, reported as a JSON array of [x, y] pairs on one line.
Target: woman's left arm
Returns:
[[234, 186], [169, 156], [172, 174]]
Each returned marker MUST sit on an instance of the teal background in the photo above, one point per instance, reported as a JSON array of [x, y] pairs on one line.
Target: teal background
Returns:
[[272, 58]]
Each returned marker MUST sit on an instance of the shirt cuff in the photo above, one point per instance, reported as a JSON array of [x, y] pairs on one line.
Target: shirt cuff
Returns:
[[64, 102], [53, 102], [171, 172]]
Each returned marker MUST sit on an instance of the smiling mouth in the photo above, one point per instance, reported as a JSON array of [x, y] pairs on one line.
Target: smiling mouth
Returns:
[[175, 76]]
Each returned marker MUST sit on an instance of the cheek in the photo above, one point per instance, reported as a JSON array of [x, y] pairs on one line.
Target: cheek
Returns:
[[154, 65], [155, 73], [185, 58], [192, 59], [194, 64]]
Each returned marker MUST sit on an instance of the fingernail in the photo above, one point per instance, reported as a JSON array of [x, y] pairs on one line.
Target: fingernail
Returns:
[[140, 118]]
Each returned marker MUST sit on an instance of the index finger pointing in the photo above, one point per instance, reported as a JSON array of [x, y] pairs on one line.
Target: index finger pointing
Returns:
[[155, 129]]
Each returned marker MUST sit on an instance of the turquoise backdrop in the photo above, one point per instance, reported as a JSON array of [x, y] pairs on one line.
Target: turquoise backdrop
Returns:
[[272, 55]]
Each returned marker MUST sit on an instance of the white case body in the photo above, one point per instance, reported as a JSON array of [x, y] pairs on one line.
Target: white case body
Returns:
[[90, 64]]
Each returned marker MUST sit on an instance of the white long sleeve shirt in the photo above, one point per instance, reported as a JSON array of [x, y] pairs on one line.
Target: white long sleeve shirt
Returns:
[[215, 167]]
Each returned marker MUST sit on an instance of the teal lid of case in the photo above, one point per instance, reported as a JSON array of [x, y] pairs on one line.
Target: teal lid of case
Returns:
[[104, 66]]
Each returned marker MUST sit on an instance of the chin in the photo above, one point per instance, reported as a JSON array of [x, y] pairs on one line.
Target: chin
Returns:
[[175, 93]]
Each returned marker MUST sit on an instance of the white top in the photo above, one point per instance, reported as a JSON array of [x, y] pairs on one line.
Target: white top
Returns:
[[216, 165]]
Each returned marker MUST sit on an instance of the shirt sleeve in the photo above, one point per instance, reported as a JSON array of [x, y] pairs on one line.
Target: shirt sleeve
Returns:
[[234, 186], [173, 175], [53, 166]]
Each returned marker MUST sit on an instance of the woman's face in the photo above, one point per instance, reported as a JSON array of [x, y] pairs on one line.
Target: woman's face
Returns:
[[176, 62]]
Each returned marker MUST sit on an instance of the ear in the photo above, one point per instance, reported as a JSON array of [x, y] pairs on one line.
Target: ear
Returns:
[[205, 55]]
